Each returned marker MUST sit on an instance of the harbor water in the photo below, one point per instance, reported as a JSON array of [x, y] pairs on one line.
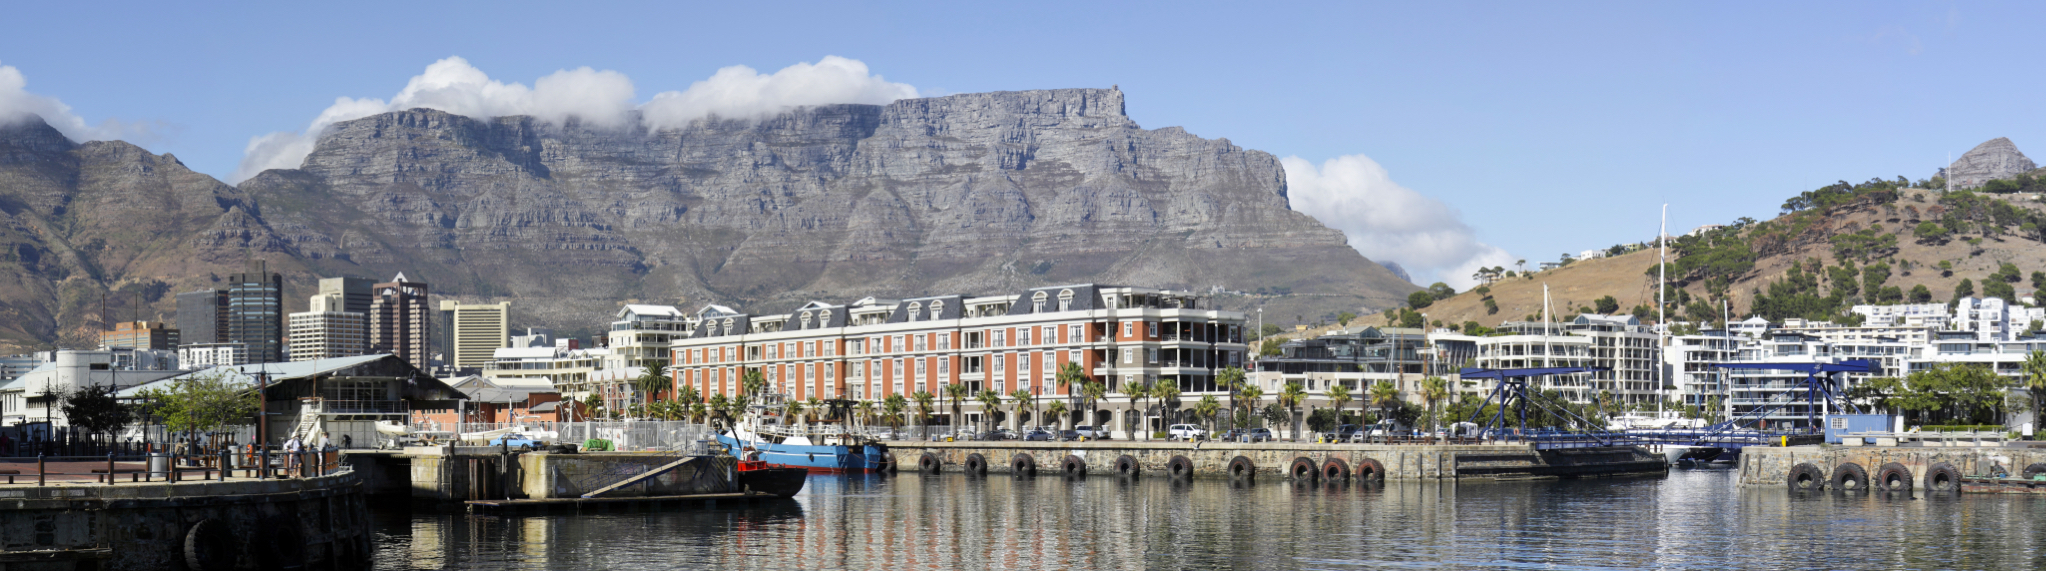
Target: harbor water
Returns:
[[1690, 520]]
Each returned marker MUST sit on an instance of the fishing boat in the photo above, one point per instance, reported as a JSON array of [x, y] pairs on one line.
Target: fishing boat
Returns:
[[760, 477], [832, 443]]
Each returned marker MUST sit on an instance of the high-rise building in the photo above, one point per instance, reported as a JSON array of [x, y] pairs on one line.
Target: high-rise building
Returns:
[[155, 335], [325, 331], [478, 331], [202, 316], [400, 322], [356, 293], [255, 313]]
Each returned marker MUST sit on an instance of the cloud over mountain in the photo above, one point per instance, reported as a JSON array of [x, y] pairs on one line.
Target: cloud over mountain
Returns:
[[601, 98], [1388, 222], [17, 103]]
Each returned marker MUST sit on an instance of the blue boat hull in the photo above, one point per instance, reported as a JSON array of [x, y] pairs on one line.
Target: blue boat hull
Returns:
[[813, 458]]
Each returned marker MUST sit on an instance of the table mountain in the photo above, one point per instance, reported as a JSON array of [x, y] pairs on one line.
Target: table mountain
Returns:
[[976, 193]]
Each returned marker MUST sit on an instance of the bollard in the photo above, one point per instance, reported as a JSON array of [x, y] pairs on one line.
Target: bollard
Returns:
[[263, 463], [41, 471], [226, 464], [110, 468]]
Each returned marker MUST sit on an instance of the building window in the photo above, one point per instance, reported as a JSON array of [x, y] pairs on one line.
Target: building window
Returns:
[[1129, 356], [1154, 356], [1000, 362], [922, 342], [1001, 338], [1037, 302], [944, 366], [937, 309], [1023, 336], [1066, 300], [1129, 329], [914, 309], [945, 341], [1152, 327], [1023, 364], [1073, 334]]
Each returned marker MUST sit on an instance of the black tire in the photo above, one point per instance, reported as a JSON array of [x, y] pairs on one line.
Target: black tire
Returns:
[[2035, 469], [1073, 467], [1179, 468], [1370, 470], [1128, 467], [1241, 469], [1303, 470], [1943, 477], [929, 464], [1850, 477], [886, 464], [1806, 477], [1335, 470], [1023, 465], [209, 546], [976, 465], [1893, 477], [280, 543]]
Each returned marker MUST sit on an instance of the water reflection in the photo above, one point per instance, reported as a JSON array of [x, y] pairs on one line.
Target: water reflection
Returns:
[[1690, 520]]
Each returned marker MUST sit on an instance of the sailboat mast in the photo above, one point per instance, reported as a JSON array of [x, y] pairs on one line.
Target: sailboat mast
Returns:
[[1661, 307]]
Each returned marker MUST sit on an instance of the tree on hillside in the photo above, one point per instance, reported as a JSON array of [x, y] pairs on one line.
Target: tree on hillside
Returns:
[[1441, 291], [1999, 289], [1607, 305], [1344, 318], [1921, 294], [1964, 289], [1420, 299], [1491, 306]]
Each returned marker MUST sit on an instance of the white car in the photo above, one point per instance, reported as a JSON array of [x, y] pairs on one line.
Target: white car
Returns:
[[1187, 432]]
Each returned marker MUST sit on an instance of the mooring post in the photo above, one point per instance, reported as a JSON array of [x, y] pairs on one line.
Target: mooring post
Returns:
[[263, 462], [41, 471], [110, 468]]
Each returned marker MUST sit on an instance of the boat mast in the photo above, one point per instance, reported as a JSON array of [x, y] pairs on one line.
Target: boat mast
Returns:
[[1661, 308]]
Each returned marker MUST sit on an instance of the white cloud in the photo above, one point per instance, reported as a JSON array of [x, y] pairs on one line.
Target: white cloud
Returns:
[[740, 92], [600, 98], [17, 103], [1389, 222]]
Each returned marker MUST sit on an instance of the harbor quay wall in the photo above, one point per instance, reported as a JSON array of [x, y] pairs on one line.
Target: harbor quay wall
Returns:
[[311, 523], [572, 475], [1274, 459], [1771, 466]]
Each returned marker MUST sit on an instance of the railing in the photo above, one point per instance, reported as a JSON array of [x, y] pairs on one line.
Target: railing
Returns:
[[223, 464], [365, 406]]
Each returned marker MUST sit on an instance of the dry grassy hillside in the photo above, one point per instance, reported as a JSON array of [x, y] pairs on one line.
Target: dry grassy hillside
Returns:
[[1974, 255]]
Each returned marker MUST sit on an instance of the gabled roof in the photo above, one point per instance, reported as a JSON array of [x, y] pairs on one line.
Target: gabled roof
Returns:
[[245, 375], [661, 310]]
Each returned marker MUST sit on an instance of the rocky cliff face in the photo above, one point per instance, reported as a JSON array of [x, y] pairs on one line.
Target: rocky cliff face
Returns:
[[1991, 160], [977, 193]]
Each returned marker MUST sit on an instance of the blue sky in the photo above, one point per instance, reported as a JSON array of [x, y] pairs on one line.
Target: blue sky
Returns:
[[1539, 128]]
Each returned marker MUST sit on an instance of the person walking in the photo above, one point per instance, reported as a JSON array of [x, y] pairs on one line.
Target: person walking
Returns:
[[291, 450]]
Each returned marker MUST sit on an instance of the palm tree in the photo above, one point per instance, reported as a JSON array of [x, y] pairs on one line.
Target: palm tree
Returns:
[[1339, 393], [1250, 395], [1231, 379], [793, 410], [1167, 394], [651, 382], [892, 408], [697, 412], [687, 394], [1058, 409], [2035, 378], [1290, 397], [1384, 395], [990, 401], [1070, 376], [1092, 391], [957, 393], [923, 408], [1137, 390], [753, 383], [1025, 399], [719, 405], [863, 410], [1434, 390], [1207, 409]]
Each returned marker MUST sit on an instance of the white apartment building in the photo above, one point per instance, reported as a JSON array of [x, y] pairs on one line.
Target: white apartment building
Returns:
[[641, 335], [537, 357], [476, 332], [326, 332], [32, 398], [202, 355], [1689, 359], [875, 348], [1526, 345], [1927, 315]]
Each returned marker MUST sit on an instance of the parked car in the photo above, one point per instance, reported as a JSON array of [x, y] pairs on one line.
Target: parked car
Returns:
[[1037, 435], [1069, 435], [1256, 435], [1343, 433], [1002, 434], [516, 440], [1186, 432], [1091, 433]]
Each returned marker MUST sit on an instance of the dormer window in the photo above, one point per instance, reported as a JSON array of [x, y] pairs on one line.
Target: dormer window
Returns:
[[914, 310], [937, 310], [1066, 300], [1037, 302], [806, 319], [824, 318]]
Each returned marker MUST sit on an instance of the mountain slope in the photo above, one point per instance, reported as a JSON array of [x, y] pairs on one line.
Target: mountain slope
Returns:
[[977, 193]]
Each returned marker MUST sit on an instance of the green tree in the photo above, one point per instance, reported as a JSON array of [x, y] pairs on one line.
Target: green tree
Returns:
[[1384, 395], [1057, 409], [793, 410], [688, 394], [1135, 391], [1344, 318], [1339, 394], [1093, 392], [1025, 400], [1291, 396], [2035, 378], [1270, 348], [1249, 394], [990, 401], [1410, 319], [94, 409], [1607, 305], [1420, 299], [1269, 329], [1964, 289], [1070, 376], [1999, 289], [1434, 390], [1920, 294], [1441, 291], [1167, 394], [650, 383], [957, 394], [753, 383], [720, 409], [924, 408], [1207, 409], [1928, 232], [892, 409], [1491, 306], [203, 403]]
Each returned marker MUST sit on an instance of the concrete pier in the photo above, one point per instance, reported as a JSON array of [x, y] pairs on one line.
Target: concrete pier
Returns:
[[1281, 459], [1773, 466], [310, 523]]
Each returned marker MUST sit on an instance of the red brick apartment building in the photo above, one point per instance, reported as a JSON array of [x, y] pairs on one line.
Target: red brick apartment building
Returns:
[[873, 348]]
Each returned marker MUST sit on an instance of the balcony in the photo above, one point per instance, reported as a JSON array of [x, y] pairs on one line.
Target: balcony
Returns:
[[364, 407]]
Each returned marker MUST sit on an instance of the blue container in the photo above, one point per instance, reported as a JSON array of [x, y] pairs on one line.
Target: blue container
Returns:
[[1839, 425]]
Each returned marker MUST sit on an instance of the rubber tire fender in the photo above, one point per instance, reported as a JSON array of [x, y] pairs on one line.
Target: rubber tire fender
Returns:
[[1073, 467], [1850, 477], [1370, 470], [1806, 476], [929, 464], [280, 543], [1335, 469], [1180, 468], [1241, 469], [209, 546], [1127, 466], [887, 464], [976, 465], [1893, 477], [1942, 477], [1303, 469], [2035, 469], [1023, 465]]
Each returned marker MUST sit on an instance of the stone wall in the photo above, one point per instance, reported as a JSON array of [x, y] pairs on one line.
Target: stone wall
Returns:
[[572, 475], [1211, 459], [1770, 466], [314, 523]]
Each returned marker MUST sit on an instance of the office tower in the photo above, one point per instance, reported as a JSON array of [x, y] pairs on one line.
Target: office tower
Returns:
[[355, 296], [155, 335], [400, 322], [202, 316], [255, 313], [480, 329], [326, 332]]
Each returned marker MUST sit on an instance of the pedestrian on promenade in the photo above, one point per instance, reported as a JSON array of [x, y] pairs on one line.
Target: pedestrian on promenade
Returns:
[[291, 450]]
